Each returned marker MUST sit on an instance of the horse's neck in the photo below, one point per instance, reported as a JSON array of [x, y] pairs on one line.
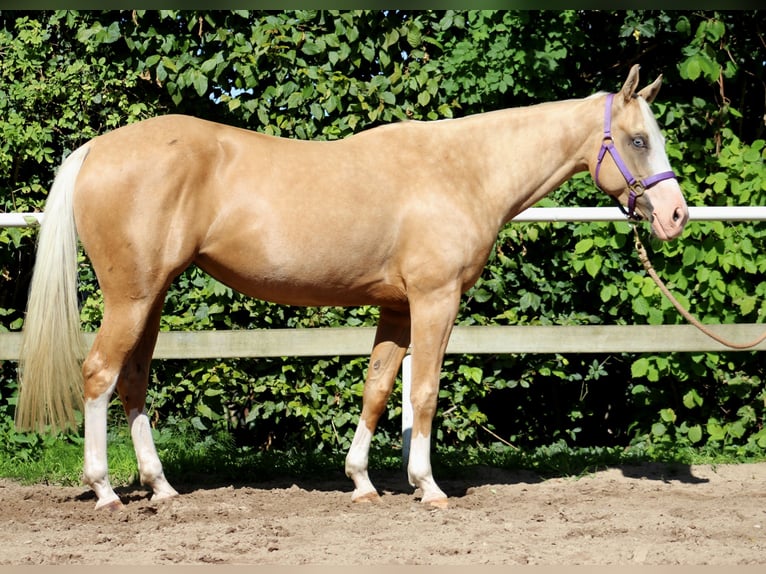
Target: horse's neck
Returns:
[[531, 151]]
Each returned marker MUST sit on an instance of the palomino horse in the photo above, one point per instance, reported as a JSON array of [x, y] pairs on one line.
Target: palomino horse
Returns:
[[401, 216]]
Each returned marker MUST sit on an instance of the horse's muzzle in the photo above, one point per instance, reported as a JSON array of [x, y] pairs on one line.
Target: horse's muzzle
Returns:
[[666, 209]]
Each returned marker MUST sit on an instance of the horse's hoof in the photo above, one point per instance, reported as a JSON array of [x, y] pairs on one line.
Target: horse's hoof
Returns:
[[367, 497]]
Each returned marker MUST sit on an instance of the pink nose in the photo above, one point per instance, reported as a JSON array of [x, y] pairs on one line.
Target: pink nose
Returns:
[[668, 223], [669, 210]]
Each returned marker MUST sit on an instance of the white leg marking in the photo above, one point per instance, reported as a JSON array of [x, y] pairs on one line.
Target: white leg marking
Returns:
[[149, 465], [419, 471], [95, 469], [356, 464]]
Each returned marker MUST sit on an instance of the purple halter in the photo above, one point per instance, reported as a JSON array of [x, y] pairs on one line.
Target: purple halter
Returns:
[[637, 187]]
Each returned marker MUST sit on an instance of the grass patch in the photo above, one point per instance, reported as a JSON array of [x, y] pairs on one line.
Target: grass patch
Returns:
[[190, 456], [58, 460]]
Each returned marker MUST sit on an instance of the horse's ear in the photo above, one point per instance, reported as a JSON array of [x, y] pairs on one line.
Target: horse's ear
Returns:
[[650, 91], [629, 87]]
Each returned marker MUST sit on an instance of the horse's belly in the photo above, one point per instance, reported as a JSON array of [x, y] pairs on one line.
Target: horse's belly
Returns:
[[313, 278]]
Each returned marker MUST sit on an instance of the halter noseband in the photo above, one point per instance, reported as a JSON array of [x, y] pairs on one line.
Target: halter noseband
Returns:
[[637, 187]]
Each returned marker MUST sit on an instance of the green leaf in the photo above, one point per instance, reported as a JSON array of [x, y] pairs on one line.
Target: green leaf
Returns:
[[690, 255], [736, 429], [692, 399], [294, 100], [715, 430], [529, 300], [209, 65], [388, 98], [593, 265], [608, 291], [683, 26], [639, 389], [715, 30], [691, 68], [112, 33], [368, 52], [390, 38], [474, 374], [668, 415], [312, 48], [583, 246], [751, 155], [169, 64], [694, 434], [85, 34], [200, 83], [747, 304], [640, 306], [639, 369], [482, 295], [414, 36]]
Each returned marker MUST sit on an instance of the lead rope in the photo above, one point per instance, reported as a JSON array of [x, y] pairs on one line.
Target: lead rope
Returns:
[[641, 250]]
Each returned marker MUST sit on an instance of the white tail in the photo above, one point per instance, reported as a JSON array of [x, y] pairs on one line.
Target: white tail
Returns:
[[52, 347]]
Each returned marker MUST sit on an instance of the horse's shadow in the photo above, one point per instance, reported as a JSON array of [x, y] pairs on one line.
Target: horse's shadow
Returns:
[[459, 484], [456, 484], [663, 472]]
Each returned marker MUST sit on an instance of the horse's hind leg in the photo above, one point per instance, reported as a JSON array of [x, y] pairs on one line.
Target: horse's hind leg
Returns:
[[132, 386], [119, 359], [100, 382], [391, 341]]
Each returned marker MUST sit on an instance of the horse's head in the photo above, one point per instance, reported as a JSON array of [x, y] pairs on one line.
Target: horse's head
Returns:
[[631, 165]]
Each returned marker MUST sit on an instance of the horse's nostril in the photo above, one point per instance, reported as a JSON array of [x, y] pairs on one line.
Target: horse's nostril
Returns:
[[676, 215]]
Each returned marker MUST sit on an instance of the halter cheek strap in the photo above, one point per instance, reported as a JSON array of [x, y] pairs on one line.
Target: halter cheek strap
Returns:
[[637, 187]]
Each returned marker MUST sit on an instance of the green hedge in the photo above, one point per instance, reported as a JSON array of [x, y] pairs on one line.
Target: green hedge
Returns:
[[67, 76]]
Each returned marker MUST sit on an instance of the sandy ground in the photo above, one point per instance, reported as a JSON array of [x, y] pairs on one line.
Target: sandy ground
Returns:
[[650, 515]]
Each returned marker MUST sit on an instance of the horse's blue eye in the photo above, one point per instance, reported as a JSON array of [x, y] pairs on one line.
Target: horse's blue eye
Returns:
[[639, 142]]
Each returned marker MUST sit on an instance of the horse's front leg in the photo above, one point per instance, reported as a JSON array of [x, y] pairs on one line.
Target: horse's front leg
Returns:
[[391, 341], [432, 320]]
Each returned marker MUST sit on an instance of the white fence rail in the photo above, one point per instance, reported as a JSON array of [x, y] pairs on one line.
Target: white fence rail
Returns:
[[533, 214]]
